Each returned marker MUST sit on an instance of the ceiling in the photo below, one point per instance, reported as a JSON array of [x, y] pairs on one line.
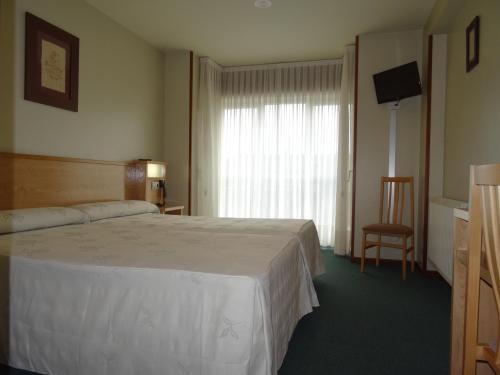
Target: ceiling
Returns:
[[234, 32]]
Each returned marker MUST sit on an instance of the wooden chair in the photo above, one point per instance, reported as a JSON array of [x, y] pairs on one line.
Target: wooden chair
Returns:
[[484, 242], [391, 215]]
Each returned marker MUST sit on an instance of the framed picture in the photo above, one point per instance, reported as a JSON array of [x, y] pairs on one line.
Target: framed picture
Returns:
[[51, 66], [472, 44]]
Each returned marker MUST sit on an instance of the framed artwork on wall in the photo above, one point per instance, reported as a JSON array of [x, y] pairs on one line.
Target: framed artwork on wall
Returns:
[[51, 65], [472, 44]]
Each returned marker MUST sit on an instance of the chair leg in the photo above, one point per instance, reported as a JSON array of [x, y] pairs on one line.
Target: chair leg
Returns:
[[412, 254], [363, 252], [377, 262], [404, 258]]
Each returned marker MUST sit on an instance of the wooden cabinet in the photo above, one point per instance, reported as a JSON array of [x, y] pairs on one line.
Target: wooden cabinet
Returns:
[[145, 180], [488, 321]]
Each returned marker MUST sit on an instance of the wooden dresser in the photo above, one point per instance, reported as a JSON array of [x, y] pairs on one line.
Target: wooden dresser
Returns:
[[488, 317]]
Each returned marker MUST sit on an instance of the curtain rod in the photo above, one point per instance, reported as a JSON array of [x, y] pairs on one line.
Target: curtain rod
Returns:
[[272, 65]]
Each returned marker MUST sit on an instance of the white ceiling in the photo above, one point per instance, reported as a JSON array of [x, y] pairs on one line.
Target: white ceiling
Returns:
[[234, 32]]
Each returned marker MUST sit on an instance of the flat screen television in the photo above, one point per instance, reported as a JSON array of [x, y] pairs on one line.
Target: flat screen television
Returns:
[[398, 83]]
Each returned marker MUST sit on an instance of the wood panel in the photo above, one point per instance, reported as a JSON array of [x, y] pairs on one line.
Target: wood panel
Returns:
[[136, 180], [487, 311], [190, 148], [461, 238], [428, 125], [139, 184], [354, 149], [43, 181]]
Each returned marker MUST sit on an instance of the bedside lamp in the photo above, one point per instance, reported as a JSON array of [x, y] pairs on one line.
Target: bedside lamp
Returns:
[[146, 180], [156, 176], [156, 170]]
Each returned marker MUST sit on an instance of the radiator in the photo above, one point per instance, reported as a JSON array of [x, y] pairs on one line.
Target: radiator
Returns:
[[440, 235]]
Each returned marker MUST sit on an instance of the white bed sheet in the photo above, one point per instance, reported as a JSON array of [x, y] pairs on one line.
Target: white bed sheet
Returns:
[[129, 296]]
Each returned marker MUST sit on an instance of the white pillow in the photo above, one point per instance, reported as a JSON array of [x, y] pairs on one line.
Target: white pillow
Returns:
[[105, 210], [12, 221]]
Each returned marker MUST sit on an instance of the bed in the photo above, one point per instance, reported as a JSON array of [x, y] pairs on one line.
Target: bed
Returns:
[[154, 294], [303, 230]]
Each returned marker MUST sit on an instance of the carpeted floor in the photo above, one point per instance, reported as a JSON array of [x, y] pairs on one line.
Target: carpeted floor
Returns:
[[372, 323]]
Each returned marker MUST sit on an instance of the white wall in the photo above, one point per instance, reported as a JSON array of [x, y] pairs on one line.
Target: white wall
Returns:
[[120, 97], [176, 125], [379, 52]]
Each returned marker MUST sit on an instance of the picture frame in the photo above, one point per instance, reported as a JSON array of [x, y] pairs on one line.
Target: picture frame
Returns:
[[51, 65], [472, 44]]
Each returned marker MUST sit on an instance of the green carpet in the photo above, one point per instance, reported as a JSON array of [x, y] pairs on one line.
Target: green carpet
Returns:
[[372, 323]]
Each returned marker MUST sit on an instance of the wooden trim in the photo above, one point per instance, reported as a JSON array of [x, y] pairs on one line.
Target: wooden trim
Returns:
[[354, 149], [398, 262], [11, 155], [473, 281], [425, 226], [370, 244], [191, 63], [373, 260], [382, 261]]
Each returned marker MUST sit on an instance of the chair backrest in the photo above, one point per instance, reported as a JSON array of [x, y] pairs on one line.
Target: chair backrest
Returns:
[[485, 198], [393, 200]]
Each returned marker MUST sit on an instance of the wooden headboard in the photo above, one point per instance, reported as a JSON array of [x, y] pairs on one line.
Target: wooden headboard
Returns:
[[43, 181]]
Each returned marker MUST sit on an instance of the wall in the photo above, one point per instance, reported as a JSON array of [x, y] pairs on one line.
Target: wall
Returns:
[[176, 125], [438, 115], [473, 113], [378, 52], [120, 95], [6, 74]]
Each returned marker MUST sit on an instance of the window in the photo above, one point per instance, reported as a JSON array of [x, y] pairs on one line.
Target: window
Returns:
[[279, 160]]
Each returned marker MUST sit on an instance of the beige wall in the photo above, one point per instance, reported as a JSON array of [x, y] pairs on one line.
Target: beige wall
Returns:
[[472, 113], [439, 20], [120, 113], [176, 125], [6, 74], [378, 52], [473, 110]]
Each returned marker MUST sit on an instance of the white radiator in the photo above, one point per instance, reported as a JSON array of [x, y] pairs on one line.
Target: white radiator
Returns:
[[440, 235]]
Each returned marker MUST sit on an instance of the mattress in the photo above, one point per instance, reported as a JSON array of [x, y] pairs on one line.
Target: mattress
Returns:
[[136, 295]]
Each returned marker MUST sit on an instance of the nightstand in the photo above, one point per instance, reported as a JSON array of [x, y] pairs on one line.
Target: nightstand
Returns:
[[172, 208]]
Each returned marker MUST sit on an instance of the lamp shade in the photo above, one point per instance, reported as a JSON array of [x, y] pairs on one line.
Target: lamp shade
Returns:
[[156, 170]]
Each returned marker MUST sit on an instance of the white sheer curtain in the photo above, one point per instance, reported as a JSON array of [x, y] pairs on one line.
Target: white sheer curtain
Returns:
[[268, 142], [345, 163], [206, 138]]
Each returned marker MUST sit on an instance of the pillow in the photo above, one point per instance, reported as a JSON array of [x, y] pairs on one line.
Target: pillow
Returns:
[[105, 210], [12, 221]]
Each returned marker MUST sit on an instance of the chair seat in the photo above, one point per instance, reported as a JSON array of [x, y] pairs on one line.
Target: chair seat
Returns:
[[388, 229]]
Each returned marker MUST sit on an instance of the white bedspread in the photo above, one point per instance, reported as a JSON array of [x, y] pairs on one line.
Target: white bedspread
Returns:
[[304, 230], [137, 296]]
